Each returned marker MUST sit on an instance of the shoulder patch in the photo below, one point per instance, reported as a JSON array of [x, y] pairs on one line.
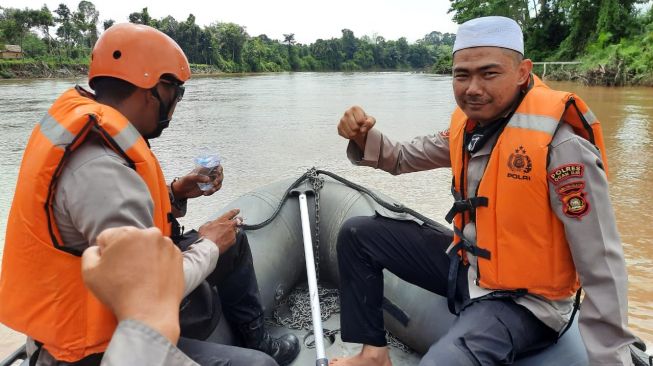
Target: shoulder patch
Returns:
[[565, 172], [444, 133], [574, 199]]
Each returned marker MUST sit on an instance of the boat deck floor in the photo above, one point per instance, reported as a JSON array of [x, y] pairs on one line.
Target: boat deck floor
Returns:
[[338, 348]]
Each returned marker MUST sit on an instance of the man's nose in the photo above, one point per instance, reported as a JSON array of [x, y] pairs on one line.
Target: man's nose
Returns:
[[475, 87]]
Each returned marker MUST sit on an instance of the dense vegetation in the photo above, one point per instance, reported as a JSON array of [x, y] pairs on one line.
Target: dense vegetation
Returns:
[[612, 38], [66, 34]]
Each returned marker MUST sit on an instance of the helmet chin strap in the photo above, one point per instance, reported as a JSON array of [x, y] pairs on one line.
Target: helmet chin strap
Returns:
[[164, 121]]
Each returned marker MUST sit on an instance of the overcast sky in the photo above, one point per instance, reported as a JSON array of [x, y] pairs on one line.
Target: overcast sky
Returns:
[[309, 20]]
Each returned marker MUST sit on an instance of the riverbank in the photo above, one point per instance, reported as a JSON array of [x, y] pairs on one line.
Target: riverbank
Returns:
[[601, 75], [614, 73], [38, 69]]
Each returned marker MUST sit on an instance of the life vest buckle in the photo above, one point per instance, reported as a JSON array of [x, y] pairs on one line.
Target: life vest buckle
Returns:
[[469, 204]]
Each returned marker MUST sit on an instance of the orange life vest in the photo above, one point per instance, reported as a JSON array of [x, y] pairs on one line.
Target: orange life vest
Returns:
[[521, 243], [41, 289]]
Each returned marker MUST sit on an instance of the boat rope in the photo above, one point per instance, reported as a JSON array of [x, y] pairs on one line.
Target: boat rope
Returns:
[[314, 172]]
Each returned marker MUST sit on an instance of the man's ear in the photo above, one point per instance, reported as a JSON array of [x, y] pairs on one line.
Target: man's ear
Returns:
[[525, 68]]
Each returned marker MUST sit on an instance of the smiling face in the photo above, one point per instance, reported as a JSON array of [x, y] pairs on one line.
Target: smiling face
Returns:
[[486, 81]]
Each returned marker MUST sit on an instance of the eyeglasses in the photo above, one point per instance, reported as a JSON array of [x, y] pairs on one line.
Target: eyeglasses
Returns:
[[179, 89]]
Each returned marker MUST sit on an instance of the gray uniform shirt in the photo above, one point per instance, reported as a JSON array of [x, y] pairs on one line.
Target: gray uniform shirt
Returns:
[[593, 238], [98, 190], [134, 343]]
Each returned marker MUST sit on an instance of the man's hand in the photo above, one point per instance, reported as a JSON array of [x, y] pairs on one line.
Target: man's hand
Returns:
[[222, 231], [355, 124], [138, 274], [186, 186]]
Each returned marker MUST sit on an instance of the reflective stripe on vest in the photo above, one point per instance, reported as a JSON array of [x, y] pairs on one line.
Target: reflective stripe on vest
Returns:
[[518, 226], [41, 290]]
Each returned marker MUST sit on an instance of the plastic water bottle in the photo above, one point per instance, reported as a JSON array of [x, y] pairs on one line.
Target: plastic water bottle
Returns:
[[207, 163]]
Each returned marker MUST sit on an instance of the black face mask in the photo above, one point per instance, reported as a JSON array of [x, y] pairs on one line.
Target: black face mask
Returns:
[[164, 111], [164, 121]]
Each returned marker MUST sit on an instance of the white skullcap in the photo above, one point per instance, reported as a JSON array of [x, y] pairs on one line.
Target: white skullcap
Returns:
[[491, 31]]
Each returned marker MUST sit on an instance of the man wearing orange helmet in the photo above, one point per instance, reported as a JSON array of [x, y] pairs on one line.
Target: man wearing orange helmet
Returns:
[[88, 167]]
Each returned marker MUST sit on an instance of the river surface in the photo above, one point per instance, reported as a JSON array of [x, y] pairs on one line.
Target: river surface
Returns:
[[274, 126]]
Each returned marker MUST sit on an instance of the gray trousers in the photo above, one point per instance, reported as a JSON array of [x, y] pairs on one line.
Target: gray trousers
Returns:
[[490, 332], [213, 354], [240, 301], [487, 332]]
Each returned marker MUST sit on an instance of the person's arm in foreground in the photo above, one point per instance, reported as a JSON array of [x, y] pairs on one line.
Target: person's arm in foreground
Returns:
[[147, 305], [582, 202], [369, 147]]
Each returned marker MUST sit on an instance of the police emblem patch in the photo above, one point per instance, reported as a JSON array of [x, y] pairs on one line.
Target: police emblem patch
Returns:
[[520, 164], [565, 172], [574, 200]]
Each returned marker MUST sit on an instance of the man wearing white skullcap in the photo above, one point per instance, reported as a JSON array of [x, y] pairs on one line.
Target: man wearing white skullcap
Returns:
[[532, 221]]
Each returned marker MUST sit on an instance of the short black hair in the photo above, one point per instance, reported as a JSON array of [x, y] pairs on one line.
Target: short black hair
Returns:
[[110, 88]]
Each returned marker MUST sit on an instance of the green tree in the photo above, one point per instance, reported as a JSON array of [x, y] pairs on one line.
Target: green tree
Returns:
[[293, 59], [582, 17], [191, 41], [402, 50], [108, 23], [231, 39], [169, 26], [433, 38], [142, 17], [364, 56], [546, 31], [66, 31], [16, 23], [617, 18], [421, 55], [465, 10], [85, 20], [33, 46], [349, 43], [328, 53]]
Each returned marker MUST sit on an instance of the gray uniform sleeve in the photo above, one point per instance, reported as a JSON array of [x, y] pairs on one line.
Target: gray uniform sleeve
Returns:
[[200, 260], [578, 190], [422, 153], [134, 343], [103, 192]]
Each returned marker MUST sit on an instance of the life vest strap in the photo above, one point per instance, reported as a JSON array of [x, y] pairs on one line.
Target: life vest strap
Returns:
[[465, 245], [573, 313], [452, 281], [454, 263], [470, 204]]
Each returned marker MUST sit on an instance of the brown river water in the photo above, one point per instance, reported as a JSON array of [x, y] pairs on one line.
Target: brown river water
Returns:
[[274, 126]]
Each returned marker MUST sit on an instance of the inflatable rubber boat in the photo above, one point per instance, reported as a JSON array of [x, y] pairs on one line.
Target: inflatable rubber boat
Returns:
[[414, 318]]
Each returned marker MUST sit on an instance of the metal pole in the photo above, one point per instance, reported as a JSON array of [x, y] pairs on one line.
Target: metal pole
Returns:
[[312, 283]]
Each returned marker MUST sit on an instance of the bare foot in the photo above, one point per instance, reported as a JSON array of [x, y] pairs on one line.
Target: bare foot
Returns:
[[369, 356]]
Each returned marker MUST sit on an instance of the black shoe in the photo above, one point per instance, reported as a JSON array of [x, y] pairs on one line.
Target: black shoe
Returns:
[[284, 349]]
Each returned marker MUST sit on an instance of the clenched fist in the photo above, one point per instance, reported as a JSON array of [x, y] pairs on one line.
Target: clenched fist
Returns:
[[355, 124]]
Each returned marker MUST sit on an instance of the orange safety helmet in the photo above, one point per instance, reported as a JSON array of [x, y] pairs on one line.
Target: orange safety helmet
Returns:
[[138, 54]]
